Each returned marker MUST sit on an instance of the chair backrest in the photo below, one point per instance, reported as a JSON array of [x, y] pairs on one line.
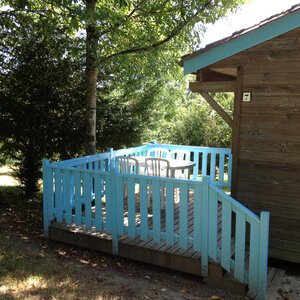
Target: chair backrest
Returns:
[[157, 167], [127, 165], [158, 153], [180, 154]]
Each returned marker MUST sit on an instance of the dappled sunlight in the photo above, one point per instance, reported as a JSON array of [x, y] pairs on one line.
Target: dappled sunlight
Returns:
[[5, 177], [17, 287], [30, 272]]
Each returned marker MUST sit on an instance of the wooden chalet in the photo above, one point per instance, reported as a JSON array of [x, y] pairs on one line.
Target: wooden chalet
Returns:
[[261, 65]]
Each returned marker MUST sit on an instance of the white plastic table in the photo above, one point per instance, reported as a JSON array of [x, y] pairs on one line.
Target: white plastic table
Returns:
[[174, 164]]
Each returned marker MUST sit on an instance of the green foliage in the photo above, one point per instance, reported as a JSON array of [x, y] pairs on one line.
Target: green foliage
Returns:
[[41, 110], [135, 102], [197, 124], [140, 85]]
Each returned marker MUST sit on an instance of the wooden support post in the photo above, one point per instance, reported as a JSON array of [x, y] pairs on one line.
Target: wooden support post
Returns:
[[236, 129], [220, 111]]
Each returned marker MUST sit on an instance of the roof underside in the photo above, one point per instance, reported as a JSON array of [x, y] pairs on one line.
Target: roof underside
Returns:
[[242, 40]]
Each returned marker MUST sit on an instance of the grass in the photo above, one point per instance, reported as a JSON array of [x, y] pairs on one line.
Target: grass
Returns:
[[29, 272]]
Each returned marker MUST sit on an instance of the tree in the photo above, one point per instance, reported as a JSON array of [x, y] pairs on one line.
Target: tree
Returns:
[[120, 27], [40, 107]]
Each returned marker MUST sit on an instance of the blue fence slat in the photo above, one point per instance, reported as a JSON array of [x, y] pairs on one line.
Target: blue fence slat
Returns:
[[87, 196], [263, 255], [196, 167], [170, 214], [213, 225], [78, 212], [240, 238], [197, 213], [58, 195], [226, 235], [204, 226], [183, 216], [254, 256], [98, 203], [131, 207], [156, 205], [51, 195], [120, 204], [221, 168], [144, 209], [67, 195], [108, 204]]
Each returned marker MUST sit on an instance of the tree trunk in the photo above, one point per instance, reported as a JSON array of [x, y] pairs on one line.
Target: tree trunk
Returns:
[[91, 76]]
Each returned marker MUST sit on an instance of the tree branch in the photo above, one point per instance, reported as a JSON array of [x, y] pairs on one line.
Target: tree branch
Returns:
[[175, 32], [117, 25]]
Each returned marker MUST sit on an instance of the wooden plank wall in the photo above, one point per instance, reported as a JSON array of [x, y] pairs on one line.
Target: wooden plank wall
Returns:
[[268, 175]]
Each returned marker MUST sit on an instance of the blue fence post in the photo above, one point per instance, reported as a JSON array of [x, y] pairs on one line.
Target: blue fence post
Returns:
[[47, 188], [204, 225], [263, 255], [113, 205]]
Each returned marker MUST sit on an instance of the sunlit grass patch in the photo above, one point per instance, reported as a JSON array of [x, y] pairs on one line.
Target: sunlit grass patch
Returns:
[[31, 272], [5, 177]]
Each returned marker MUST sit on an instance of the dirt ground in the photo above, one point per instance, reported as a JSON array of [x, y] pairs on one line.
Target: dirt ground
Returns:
[[32, 267]]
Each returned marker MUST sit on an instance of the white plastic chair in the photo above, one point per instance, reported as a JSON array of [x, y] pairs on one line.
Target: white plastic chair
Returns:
[[126, 165], [180, 155], [183, 174], [158, 153], [157, 167]]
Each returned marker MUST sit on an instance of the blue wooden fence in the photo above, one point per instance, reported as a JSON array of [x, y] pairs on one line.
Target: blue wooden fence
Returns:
[[88, 192]]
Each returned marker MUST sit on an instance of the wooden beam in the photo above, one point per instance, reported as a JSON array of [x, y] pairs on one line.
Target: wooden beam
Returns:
[[212, 86], [212, 75], [227, 71], [221, 112]]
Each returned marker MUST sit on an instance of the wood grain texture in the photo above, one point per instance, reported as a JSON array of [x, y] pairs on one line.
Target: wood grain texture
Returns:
[[268, 168]]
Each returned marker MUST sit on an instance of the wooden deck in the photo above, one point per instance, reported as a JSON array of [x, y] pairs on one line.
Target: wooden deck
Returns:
[[160, 254], [175, 258]]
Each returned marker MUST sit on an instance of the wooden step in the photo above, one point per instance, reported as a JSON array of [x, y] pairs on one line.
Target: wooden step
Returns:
[[274, 280], [275, 277], [217, 277]]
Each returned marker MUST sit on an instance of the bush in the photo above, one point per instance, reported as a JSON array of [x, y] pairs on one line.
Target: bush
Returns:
[[197, 124]]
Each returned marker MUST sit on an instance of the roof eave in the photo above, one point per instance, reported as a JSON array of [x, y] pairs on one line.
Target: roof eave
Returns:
[[242, 42]]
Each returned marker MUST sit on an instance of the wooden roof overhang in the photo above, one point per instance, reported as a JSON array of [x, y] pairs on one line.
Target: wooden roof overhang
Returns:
[[216, 66]]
